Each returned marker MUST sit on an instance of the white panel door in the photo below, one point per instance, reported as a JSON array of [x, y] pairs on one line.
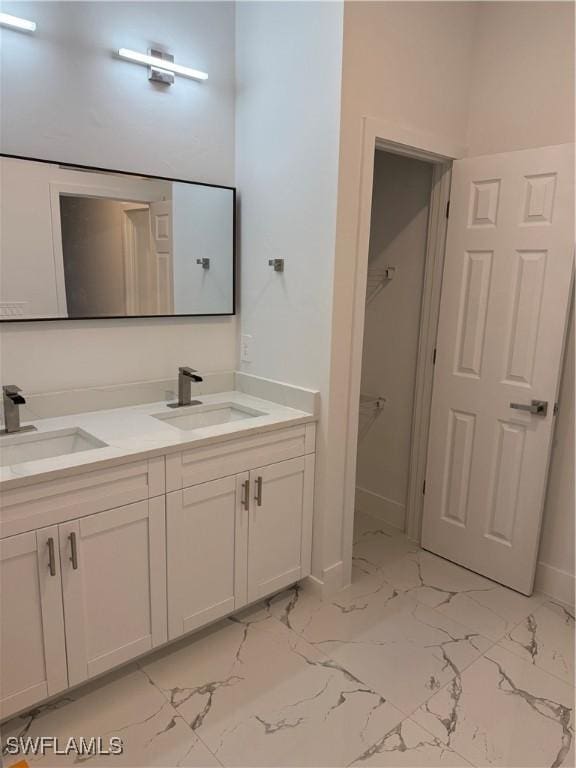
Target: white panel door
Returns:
[[114, 586], [162, 241], [32, 647], [207, 539], [277, 514], [504, 307]]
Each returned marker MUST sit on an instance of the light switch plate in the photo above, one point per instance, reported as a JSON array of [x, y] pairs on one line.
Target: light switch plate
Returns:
[[246, 342]]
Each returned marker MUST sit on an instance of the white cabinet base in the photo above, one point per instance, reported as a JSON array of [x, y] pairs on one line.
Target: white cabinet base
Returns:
[[114, 567]]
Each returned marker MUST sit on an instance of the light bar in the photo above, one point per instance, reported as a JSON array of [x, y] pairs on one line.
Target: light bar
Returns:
[[6, 20], [168, 66]]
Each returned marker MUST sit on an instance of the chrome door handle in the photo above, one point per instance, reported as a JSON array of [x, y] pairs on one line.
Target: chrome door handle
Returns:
[[73, 551], [258, 495], [246, 494], [51, 557], [537, 407]]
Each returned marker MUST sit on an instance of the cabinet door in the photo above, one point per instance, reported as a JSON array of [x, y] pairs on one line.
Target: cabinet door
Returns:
[[32, 648], [278, 519], [207, 529], [114, 586]]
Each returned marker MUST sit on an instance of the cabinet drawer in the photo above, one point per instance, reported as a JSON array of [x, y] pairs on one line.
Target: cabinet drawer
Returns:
[[199, 465], [65, 498]]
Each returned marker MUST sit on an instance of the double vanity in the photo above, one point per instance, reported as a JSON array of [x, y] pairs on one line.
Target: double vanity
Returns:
[[123, 529], [132, 515]]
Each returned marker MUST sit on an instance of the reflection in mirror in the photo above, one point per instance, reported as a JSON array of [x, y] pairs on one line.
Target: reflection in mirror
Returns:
[[78, 243]]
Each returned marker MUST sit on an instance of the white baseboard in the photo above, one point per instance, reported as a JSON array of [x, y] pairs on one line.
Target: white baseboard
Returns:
[[329, 584], [555, 583], [387, 510]]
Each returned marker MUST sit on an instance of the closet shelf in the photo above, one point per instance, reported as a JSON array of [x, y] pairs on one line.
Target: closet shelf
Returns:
[[377, 279], [371, 407], [369, 402]]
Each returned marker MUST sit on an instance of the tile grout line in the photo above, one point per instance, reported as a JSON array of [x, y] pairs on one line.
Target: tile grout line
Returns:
[[467, 667], [449, 682], [543, 600], [405, 715], [168, 701], [461, 671], [522, 658], [297, 635]]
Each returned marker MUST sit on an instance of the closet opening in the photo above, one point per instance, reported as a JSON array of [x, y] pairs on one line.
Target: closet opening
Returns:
[[405, 260]]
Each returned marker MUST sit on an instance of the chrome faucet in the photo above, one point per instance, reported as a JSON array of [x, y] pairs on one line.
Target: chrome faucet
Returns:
[[185, 378], [12, 401]]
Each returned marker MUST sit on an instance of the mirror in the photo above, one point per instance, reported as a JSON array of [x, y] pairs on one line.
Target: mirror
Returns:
[[79, 243]]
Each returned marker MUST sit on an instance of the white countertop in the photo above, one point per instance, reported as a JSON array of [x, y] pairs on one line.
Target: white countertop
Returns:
[[132, 433]]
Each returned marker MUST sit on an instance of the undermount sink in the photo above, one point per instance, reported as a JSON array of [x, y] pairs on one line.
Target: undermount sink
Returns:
[[18, 449], [198, 416]]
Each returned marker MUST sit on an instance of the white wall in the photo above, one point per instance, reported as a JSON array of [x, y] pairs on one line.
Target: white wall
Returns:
[[202, 227], [408, 63], [398, 232], [288, 111], [522, 84], [288, 73], [555, 573], [65, 97]]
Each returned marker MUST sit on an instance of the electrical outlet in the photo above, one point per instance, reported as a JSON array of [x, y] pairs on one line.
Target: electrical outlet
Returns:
[[246, 342]]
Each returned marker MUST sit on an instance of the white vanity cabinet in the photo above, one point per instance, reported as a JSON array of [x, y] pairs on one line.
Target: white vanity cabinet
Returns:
[[99, 567], [280, 519], [234, 540], [32, 648], [80, 598], [114, 586], [207, 537]]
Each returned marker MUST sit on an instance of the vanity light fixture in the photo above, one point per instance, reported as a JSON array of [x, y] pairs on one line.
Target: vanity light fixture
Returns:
[[15, 22], [162, 66]]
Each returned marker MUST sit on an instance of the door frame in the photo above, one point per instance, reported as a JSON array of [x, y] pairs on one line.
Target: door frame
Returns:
[[440, 152], [69, 188], [132, 295]]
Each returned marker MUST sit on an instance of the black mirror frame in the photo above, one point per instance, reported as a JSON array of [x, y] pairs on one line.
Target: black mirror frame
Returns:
[[99, 169]]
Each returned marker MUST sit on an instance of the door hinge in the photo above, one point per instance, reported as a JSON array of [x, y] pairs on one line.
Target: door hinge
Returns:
[[434, 357], [424, 488], [448, 209], [556, 408]]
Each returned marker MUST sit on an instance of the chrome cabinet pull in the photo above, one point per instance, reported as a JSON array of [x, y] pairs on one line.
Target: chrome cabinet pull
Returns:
[[246, 494], [73, 551], [537, 407], [51, 557], [258, 495]]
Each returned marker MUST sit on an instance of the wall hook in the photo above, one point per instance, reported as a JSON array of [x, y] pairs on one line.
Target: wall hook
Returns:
[[278, 264], [205, 263]]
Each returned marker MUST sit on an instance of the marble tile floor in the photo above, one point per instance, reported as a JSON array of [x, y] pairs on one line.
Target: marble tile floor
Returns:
[[418, 663]]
